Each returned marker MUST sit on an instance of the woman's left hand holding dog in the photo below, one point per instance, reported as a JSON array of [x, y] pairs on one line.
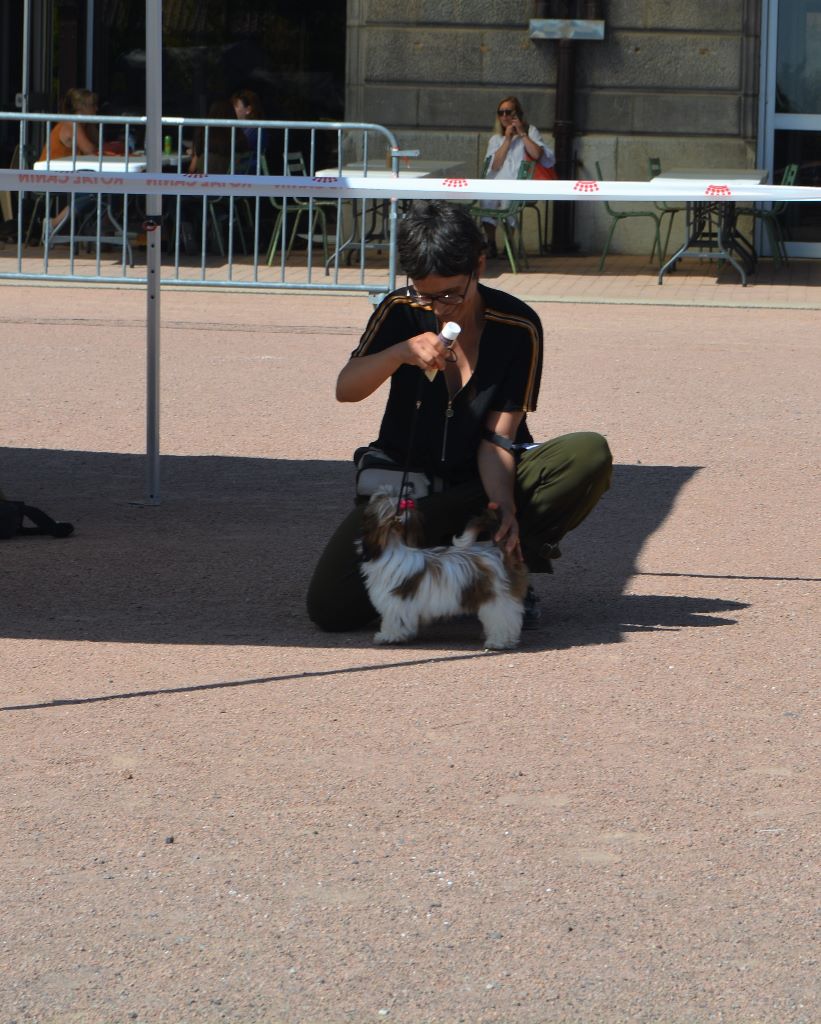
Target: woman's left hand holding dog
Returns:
[[507, 536], [497, 470]]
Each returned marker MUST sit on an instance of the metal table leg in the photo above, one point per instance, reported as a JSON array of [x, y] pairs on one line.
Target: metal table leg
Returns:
[[711, 233]]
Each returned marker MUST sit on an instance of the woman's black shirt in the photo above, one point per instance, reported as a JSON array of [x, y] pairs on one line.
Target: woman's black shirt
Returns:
[[447, 432]]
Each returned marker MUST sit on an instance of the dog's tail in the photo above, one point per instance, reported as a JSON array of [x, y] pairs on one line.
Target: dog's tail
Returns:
[[486, 523]]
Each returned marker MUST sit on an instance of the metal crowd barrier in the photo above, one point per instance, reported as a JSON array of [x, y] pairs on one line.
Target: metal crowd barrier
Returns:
[[269, 242]]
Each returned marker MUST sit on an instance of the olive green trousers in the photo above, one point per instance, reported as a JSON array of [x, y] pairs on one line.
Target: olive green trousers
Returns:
[[557, 486]]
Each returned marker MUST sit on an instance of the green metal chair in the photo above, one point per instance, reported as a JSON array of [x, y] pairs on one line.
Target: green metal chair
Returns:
[[771, 218], [620, 215], [500, 215], [35, 199], [665, 209], [296, 208]]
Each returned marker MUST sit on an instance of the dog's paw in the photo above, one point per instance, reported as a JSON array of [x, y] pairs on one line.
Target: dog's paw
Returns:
[[392, 638], [501, 643]]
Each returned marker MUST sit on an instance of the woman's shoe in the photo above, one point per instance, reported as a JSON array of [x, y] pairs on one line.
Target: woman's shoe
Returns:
[[532, 612]]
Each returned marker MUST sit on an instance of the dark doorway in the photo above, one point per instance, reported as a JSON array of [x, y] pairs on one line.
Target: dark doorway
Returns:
[[292, 56]]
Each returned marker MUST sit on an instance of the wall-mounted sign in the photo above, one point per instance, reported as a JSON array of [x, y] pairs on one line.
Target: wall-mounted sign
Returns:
[[566, 28]]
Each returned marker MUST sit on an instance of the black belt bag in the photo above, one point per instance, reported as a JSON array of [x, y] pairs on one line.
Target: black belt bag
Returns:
[[375, 469]]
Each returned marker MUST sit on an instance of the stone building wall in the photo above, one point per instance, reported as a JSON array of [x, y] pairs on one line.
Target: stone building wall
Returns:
[[673, 80]]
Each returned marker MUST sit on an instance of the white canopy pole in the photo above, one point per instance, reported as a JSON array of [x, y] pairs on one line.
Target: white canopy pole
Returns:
[[153, 152], [24, 93]]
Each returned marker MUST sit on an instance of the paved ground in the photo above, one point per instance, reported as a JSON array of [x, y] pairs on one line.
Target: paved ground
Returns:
[[214, 813], [631, 280]]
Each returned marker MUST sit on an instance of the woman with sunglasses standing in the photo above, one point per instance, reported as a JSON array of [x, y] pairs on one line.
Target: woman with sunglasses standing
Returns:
[[465, 424], [513, 141]]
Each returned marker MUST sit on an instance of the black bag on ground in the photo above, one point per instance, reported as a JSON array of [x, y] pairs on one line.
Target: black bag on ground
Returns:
[[12, 514]]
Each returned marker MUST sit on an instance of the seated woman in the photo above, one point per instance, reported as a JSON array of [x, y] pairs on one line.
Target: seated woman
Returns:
[[70, 139], [468, 425], [513, 141], [213, 146], [248, 107], [217, 149]]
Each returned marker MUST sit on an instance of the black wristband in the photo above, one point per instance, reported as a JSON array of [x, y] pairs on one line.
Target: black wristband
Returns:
[[499, 440]]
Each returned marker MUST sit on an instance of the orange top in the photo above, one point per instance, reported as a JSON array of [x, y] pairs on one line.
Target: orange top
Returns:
[[58, 148]]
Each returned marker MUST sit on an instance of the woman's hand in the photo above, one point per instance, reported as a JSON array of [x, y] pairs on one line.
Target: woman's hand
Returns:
[[362, 375], [497, 471], [427, 351], [507, 536]]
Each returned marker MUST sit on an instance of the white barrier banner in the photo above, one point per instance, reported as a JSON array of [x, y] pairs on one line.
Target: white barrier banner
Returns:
[[373, 187]]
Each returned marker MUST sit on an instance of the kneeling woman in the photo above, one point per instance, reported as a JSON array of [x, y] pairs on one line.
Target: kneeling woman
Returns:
[[468, 425]]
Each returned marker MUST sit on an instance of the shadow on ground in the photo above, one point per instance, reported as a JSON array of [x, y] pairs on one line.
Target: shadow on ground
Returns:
[[225, 558]]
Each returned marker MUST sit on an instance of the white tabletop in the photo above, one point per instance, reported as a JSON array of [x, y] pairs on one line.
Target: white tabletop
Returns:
[[715, 175], [411, 169], [109, 164]]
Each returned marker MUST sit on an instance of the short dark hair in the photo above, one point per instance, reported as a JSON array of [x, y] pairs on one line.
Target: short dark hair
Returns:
[[438, 238], [250, 99]]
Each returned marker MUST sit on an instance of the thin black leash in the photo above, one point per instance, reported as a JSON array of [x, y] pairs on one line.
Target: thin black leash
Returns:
[[409, 456], [411, 436]]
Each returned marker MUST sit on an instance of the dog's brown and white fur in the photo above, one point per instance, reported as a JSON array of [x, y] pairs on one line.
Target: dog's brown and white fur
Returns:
[[409, 585]]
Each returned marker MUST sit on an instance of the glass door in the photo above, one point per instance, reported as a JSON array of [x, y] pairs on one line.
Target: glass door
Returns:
[[791, 121]]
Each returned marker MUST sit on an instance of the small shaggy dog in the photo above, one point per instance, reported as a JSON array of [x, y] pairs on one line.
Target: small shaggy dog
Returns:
[[409, 585]]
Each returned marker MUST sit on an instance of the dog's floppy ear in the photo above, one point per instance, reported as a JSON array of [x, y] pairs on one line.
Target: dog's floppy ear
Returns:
[[413, 532], [377, 524]]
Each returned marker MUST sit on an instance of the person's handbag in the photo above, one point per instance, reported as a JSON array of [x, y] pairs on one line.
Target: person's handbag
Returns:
[[13, 513], [375, 469], [540, 172]]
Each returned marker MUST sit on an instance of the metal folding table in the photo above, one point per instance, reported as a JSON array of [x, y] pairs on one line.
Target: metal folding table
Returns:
[[711, 229], [376, 237], [104, 164]]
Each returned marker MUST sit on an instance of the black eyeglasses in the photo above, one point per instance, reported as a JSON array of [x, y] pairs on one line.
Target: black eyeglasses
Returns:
[[506, 113], [443, 298]]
